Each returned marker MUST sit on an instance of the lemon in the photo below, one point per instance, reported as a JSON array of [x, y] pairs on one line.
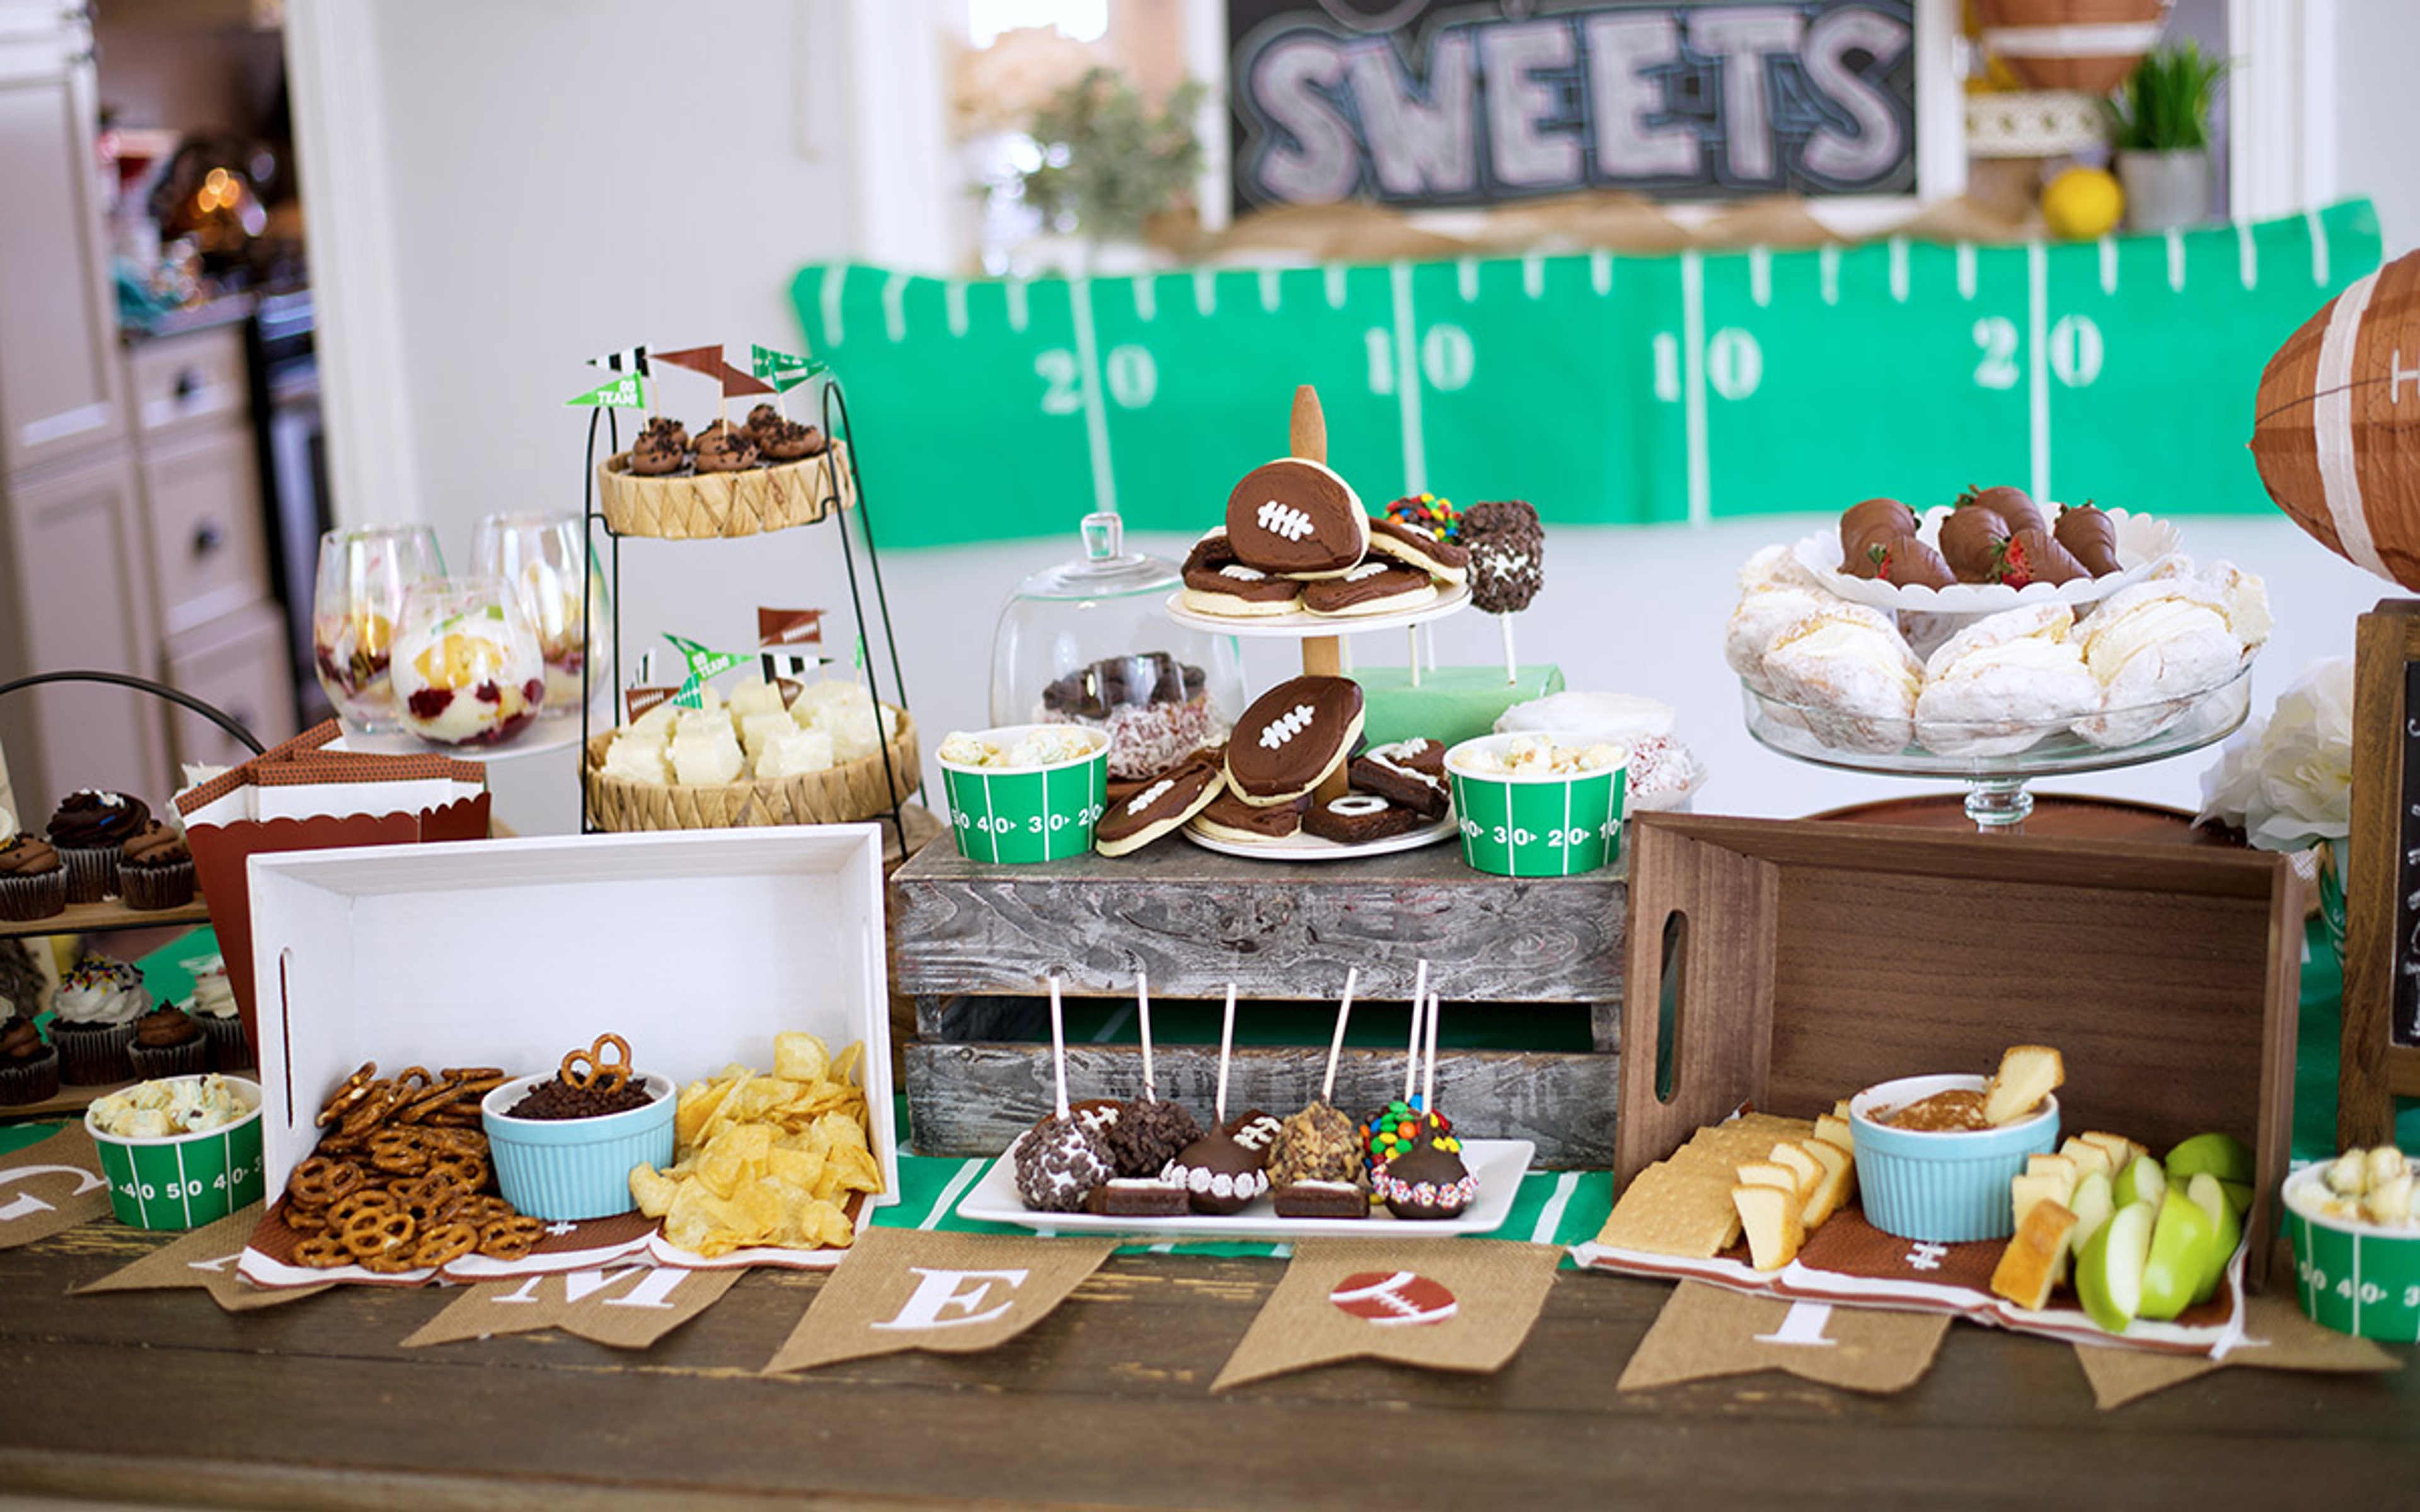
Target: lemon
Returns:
[[2083, 203]]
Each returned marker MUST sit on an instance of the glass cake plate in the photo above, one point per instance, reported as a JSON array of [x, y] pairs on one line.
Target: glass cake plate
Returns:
[[1498, 1163], [1981, 754]]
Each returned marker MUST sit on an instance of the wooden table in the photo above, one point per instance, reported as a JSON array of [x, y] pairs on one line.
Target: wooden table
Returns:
[[159, 1396]]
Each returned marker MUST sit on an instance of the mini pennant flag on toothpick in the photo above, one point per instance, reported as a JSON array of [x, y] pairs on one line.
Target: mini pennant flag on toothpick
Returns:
[[628, 360], [704, 360], [789, 665], [790, 626], [703, 663], [785, 371], [736, 382], [643, 699], [628, 391]]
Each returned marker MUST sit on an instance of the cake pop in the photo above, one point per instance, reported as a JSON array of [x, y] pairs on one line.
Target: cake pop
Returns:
[[1222, 1174], [1428, 1181], [1393, 1129], [1148, 1131], [1315, 1164], [1059, 1160]]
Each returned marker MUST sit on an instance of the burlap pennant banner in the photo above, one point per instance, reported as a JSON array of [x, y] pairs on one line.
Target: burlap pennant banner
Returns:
[[1706, 1332], [49, 1186], [2276, 1337], [1443, 1304], [626, 1306], [204, 1260], [904, 1289]]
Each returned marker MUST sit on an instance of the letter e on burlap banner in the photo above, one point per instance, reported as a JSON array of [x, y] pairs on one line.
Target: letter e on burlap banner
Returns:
[[626, 1306], [203, 1260], [907, 1288], [1440, 1303], [1705, 1332], [49, 1186]]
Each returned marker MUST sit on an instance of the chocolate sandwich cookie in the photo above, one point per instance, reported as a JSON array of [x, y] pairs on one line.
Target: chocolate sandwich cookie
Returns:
[[1136, 1198], [1410, 773], [1293, 738], [1376, 586], [1216, 582], [1294, 517], [1233, 820], [1419, 547], [1357, 818], [1320, 1199], [1165, 802]]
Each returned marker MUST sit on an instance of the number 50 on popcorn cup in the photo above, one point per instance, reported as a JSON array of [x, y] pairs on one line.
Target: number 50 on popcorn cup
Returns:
[[1027, 813], [184, 1180], [1535, 824]]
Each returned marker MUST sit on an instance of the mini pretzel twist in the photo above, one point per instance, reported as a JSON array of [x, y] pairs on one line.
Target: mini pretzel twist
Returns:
[[589, 1067]]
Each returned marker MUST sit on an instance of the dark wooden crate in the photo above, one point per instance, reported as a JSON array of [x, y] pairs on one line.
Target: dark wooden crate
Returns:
[[972, 944]]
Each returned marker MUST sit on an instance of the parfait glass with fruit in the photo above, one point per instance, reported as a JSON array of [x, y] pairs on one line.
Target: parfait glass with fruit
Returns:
[[467, 668], [541, 557], [362, 574]]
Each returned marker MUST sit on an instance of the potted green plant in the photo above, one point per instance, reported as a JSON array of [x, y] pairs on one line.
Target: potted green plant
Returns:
[[2159, 126], [1110, 161]]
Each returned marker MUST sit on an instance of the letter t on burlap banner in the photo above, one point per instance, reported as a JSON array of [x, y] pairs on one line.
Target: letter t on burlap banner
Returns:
[[1442, 1303], [907, 1288]]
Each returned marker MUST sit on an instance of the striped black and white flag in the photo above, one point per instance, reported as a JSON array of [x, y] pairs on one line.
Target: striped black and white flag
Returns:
[[628, 360], [790, 664]]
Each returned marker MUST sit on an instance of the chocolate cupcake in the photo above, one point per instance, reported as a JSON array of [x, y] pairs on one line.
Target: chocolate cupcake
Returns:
[[29, 1069], [725, 449], [91, 830], [657, 454], [157, 871], [213, 1007], [168, 1043], [764, 418], [787, 440], [97, 1006], [33, 879]]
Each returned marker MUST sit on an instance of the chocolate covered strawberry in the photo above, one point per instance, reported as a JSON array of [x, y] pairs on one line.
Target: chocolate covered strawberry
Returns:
[[1971, 539], [1875, 519], [2031, 556], [2012, 504], [1907, 562], [2088, 533]]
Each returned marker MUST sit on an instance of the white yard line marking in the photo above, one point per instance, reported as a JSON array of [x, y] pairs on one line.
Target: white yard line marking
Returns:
[[894, 308], [1827, 267], [1332, 276], [953, 307], [1097, 421], [1146, 297], [2176, 261], [2108, 265], [2038, 368], [835, 279], [954, 1189], [1408, 381], [1017, 311], [1206, 292], [1965, 270], [2318, 246], [1693, 385], [1270, 297], [1533, 275], [1759, 276], [1899, 269], [1600, 272], [1465, 278], [2248, 255], [1550, 1217]]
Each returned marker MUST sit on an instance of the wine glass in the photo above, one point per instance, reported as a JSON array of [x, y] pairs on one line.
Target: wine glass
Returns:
[[467, 668], [540, 556], [362, 574]]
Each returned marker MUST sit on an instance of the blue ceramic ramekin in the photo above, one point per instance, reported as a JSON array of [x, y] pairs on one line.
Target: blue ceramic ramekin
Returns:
[[566, 1169], [1942, 1188]]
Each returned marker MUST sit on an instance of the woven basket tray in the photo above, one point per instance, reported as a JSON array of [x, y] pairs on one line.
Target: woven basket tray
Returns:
[[841, 795], [703, 506]]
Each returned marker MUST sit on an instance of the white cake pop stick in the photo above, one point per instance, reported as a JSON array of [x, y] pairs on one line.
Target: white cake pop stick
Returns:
[[1420, 998], [1415, 633], [1142, 1008], [1059, 1046], [1428, 1077], [1226, 1050], [1336, 1041], [1511, 674]]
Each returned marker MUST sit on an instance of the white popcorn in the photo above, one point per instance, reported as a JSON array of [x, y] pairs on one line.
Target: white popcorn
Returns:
[[1534, 755]]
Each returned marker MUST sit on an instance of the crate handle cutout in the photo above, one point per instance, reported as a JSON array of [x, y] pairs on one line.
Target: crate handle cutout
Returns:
[[1668, 1002], [286, 1027]]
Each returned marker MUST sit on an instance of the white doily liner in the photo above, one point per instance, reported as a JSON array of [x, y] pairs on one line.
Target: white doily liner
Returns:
[[2142, 540]]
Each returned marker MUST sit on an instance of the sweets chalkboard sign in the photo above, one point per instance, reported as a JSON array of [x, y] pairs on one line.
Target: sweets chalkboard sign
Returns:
[[2381, 1051]]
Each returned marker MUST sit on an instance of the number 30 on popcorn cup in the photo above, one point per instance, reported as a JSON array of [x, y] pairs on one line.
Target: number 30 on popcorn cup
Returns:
[[1027, 813], [1535, 824]]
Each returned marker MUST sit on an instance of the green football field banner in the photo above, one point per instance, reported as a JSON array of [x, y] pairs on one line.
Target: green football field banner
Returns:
[[1604, 388]]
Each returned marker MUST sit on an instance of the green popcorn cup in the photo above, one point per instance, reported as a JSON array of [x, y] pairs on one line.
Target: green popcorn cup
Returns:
[[1546, 824], [2351, 1277], [184, 1180], [1027, 813]]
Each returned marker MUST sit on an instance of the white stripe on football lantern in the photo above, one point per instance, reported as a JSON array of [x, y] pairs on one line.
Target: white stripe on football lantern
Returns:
[[2332, 427]]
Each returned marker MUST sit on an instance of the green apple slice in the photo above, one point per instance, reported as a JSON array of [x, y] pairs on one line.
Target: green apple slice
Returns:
[[2109, 1275], [2184, 1245], [2142, 1181], [2239, 1195], [2221, 1154], [2208, 1194], [2092, 1205]]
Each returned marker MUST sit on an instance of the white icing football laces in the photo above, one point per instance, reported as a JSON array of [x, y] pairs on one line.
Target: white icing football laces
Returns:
[[1149, 796], [1243, 574], [1285, 727], [1367, 569], [1284, 519]]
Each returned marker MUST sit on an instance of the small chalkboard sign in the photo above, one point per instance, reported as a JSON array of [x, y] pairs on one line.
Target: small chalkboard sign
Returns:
[[2381, 1048]]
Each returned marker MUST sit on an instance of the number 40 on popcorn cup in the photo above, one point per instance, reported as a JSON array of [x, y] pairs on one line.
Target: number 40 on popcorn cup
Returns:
[[1539, 824], [1027, 813]]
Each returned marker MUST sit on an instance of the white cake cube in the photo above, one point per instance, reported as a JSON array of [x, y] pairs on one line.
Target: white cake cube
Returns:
[[793, 754], [754, 697], [707, 758]]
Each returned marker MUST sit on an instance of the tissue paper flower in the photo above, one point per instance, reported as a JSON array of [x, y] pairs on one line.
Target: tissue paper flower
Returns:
[[2287, 782]]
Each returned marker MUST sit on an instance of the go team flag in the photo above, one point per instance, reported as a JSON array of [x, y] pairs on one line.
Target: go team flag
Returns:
[[782, 370], [703, 663], [628, 391]]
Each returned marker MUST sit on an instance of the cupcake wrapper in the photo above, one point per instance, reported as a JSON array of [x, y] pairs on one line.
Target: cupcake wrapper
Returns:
[[191, 1058], [156, 887], [93, 1055], [22, 899], [92, 871], [230, 1049], [31, 1082]]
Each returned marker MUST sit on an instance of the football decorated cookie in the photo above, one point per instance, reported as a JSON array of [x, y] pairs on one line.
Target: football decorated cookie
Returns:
[[1291, 737], [1216, 582], [1296, 517], [1376, 586], [1160, 806]]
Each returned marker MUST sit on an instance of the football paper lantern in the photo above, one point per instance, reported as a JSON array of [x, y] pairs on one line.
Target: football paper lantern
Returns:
[[2336, 427]]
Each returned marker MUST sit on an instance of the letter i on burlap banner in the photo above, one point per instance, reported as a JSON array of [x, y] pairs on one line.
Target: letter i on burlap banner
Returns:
[[1441, 1304], [906, 1288], [1705, 1332]]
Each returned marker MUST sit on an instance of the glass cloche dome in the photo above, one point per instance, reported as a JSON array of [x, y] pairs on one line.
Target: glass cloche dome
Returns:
[[1088, 641]]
